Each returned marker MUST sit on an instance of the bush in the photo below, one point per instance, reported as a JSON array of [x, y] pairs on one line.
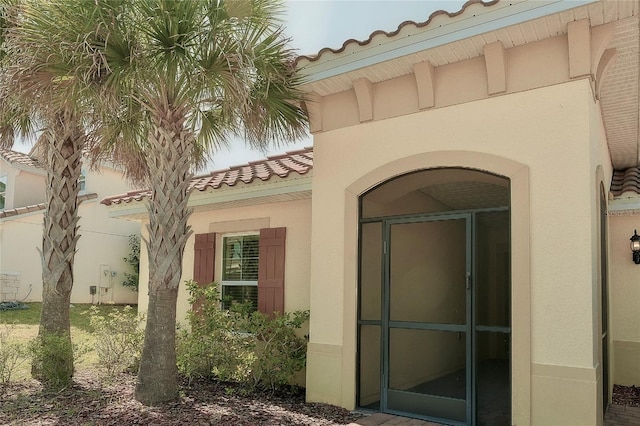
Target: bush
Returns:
[[132, 280], [52, 360], [236, 345], [280, 352], [12, 355], [119, 339]]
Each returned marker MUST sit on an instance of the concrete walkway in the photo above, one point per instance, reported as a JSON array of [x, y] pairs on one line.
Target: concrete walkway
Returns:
[[617, 415]]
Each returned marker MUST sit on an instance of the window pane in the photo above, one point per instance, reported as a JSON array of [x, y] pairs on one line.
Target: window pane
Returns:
[[371, 271], [493, 278], [233, 294], [3, 189], [427, 272], [240, 258], [370, 350]]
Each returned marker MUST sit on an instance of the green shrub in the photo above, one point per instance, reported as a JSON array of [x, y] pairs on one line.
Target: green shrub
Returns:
[[236, 345], [119, 339], [211, 348], [133, 259], [280, 352], [52, 358], [12, 354]]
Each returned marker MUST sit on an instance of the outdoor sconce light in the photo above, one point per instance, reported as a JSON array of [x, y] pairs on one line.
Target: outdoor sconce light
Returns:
[[635, 247]]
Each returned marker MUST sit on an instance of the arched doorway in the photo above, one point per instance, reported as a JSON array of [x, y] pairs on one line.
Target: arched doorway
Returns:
[[434, 297]]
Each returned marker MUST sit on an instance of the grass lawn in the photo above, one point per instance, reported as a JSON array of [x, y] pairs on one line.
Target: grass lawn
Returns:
[[22, 326]]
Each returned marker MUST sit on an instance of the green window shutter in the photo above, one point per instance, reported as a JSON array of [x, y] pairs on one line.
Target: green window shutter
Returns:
[[271, 270]]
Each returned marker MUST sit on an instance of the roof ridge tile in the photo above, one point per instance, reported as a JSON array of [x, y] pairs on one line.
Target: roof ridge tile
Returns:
[[432, 16]]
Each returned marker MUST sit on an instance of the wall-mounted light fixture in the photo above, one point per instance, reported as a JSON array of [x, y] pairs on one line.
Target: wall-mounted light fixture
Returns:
[[635, 247]]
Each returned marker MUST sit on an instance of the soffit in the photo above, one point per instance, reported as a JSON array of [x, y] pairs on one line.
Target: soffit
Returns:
[[468, 195], [599, 12]]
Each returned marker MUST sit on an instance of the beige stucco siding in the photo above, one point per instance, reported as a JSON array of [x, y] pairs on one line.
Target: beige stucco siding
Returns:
[[102, 245], [29, 189], [103, 241], [23, 188], [549, 133], [624, 293]]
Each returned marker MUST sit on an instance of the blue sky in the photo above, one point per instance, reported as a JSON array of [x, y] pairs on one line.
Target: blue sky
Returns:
[[315, 24]]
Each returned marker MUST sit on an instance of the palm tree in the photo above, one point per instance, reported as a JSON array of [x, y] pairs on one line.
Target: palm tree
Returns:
[[176, 80], [36, 92], [205, 70]]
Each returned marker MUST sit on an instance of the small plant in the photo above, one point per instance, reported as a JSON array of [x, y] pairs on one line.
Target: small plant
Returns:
[[131, 280], [211, 348], [237, 345], [12, 354], [52, 360], [280, 352], [118, 339]]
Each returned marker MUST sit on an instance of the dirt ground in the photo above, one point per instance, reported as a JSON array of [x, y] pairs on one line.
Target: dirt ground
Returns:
[[92, 401], [97, 401]]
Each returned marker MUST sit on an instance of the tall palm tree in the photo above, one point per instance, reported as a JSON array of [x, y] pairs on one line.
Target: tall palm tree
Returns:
[[176, 80], [206, 70], [36, 92]]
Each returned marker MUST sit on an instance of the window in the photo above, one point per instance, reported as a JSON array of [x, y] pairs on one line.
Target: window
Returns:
[[252, 265], [3, 191], [82, 181], [240, 270]]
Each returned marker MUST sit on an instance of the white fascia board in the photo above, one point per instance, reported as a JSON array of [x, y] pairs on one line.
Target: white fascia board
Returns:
[[458, 29], [216, 196], [245, 192]]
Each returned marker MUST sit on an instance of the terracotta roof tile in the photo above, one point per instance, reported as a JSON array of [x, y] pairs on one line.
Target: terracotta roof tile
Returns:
[[15, 157], [346, 44], [37, 207], [627, 180], [300, 162]]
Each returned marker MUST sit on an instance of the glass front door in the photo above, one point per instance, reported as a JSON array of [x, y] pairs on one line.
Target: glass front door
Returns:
[[426, 321], [444, 328]]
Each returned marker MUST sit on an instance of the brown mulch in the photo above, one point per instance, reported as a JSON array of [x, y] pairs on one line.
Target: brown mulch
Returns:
[[626, 395], [94, 401], [100, 402]]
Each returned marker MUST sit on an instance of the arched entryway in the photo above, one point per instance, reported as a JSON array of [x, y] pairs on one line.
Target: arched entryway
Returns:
[[434, 297]]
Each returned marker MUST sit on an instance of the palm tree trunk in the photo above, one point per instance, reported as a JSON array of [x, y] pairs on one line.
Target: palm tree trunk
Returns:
[[59, 239], [169, 170]]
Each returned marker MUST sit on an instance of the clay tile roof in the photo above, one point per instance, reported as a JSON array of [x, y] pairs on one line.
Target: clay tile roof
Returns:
[[36, 207], [346, 44], [627, 180], [300, 162], [15, 157]]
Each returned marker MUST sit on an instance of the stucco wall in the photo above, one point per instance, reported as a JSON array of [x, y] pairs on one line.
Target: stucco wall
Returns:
[[103, 241], [24, 188], [294, 215], [102, 246], [624, 293], [29, 189], [548, 132]]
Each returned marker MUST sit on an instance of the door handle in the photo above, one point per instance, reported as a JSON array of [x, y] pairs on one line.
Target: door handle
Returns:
[[468, 280]]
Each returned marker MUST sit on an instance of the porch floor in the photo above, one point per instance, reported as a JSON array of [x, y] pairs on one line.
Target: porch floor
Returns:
[[617, 415]]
